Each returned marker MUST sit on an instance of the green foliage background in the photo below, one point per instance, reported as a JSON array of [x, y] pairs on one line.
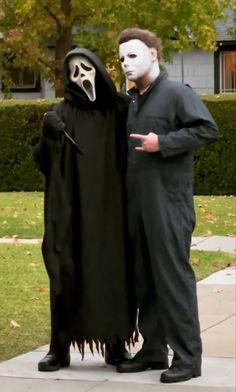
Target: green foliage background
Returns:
[[32, 26]]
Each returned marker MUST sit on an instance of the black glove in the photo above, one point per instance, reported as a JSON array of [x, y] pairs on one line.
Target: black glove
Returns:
[[53, 126]]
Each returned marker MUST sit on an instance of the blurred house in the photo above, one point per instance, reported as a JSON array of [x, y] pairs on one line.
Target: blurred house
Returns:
[[208, 72]]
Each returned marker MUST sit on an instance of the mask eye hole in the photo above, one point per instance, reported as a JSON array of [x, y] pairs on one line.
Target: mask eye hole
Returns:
[[122, 59], [85, 67], [76, 73]]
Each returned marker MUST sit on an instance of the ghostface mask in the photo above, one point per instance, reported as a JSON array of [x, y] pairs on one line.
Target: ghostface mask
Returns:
[[82, 72]]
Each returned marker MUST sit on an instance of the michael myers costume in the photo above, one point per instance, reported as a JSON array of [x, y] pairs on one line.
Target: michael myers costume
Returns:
[[82, 154], [162, 219]]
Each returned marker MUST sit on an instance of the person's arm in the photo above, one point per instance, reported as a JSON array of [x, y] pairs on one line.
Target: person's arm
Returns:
[[52, 134], [197, 125]]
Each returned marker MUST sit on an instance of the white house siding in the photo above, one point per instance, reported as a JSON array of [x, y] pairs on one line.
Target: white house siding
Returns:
[[46, 90], [195, 68]]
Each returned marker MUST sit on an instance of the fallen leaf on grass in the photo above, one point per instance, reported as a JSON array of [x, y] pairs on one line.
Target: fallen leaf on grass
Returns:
[[202, 209], [41, 289], [207, 233], [195, 261], [210, 217], [14, 324], [34, 264], [226, 223]]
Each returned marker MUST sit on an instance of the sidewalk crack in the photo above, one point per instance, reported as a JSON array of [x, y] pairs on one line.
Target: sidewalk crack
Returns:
[[219, 322]]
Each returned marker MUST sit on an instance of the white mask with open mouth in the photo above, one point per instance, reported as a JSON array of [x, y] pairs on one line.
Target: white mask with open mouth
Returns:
[[83, 72]]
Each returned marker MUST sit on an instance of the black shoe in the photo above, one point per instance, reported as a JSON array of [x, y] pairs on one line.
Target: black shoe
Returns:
[[52, 362], [115, 358], [134, 366], [177, 374]]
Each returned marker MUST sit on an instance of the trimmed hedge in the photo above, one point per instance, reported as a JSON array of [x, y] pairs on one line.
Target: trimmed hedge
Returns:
[[20, 128], [215, 164]]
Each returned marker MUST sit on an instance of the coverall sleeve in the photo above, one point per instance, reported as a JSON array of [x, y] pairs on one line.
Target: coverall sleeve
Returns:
[[197, 126]]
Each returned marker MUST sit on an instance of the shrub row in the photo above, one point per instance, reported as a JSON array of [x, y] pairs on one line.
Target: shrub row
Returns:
[[215, 165], [20, 128]]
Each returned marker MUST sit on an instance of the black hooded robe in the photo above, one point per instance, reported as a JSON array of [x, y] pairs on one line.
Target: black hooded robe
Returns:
[[85, 245]]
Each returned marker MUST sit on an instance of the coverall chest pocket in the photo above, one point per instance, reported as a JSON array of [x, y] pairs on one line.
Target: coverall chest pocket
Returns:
[[158, 125]]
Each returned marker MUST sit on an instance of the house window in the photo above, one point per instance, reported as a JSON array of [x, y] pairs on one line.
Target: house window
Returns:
[[25, 79], [227, 63]]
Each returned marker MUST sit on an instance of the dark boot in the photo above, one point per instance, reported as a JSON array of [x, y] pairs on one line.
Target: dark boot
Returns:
[[52, 361], [115, 354], [180, 373], [134, 366]]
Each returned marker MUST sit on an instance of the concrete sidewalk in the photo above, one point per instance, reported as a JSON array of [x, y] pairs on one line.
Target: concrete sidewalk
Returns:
[[216, 296], [215, 243], [211, 243]]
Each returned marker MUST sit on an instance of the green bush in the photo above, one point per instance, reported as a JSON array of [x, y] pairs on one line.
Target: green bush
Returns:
[[215, 165], [20, 128]]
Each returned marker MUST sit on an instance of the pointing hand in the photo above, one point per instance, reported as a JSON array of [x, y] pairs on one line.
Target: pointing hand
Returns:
[[149, 142]]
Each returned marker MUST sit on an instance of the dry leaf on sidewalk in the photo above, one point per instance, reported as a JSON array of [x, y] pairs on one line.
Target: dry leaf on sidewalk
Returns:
[[218, 290]]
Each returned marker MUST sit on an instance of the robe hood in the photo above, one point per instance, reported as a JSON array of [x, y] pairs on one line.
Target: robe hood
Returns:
[[105, 88]]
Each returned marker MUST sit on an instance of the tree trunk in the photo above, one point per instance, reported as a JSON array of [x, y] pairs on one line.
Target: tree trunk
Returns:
[[63, 45]]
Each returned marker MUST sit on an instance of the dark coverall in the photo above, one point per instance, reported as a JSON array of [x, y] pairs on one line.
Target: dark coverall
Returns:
[[162, 218]]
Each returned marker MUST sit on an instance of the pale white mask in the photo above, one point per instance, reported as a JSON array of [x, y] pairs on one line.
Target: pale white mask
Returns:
[[83, 72], [137, 59]]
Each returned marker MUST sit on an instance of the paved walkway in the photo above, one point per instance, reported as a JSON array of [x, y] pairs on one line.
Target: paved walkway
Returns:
[[217, 304], [212, 243], [215, 243]]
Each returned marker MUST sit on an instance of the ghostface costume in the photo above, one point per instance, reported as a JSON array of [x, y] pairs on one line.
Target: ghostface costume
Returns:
[[82, 154]]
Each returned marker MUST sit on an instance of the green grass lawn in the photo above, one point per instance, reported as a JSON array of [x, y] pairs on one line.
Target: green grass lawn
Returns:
[[215, 215], [24, 317], [21, 214]]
